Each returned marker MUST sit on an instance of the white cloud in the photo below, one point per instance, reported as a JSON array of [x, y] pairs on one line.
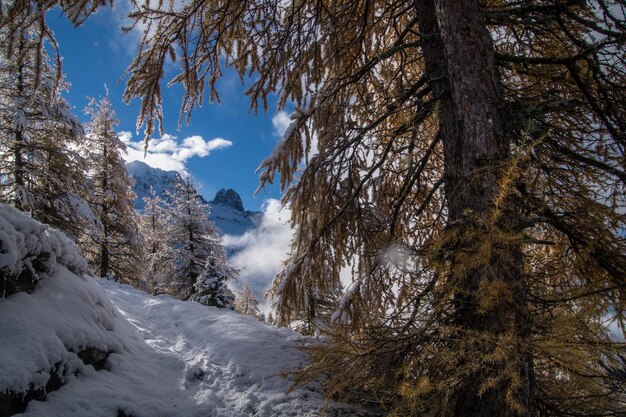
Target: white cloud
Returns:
[[262, 251], [125, 136], [281, 122], [167, 152]]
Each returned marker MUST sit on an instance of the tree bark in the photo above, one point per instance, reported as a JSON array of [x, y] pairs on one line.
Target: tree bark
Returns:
[[18, 170], [477, 108], [104, 249], [459, 61], [104, 261]]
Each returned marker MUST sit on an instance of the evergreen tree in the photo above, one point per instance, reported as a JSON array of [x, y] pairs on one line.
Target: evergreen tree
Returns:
[[246, 302], [153, 228], [40, 170], [192, 238], [115, 248], [210, 287]]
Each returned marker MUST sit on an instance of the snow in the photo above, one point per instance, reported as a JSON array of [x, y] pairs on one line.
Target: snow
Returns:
[[167, 357], [231, 221], [23, 240], [171, 358], [221, 362], [227, 218], [63, 315]]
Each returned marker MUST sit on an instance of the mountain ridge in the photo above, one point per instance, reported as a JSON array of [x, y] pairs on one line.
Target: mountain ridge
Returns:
[[227, 211]]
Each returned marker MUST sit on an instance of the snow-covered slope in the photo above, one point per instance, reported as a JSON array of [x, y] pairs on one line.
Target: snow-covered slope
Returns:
[[76, 346], [173, 358], [219, 363]]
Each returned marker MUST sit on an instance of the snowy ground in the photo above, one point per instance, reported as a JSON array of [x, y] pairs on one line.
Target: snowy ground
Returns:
[[211, 362], [172, 358], [166, 358]]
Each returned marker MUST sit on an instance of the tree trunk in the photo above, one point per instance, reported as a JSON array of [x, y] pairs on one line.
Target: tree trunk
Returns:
[[18, 200], [18, 170], [459, 56], [104, 261], [104, 216], [104, 253]]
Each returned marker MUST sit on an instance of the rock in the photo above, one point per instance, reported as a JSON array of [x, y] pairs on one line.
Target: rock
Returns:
[[228, 198], [94, 357], [12, 403]]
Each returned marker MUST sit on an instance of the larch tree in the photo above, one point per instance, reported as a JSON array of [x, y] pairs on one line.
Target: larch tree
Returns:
[[40, 169], [246, 301], [153, 228], [319, 309], [470, 164], [192, 238], [114, 249]]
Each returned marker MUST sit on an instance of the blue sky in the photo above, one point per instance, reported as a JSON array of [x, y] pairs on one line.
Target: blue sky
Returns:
[[223, 144]]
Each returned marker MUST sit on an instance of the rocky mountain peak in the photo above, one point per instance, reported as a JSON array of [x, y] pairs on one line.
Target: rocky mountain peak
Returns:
[[227, 208], [148, 179], [228, 197]]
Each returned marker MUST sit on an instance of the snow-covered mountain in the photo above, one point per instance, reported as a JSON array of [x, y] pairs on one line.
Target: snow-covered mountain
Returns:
[[227, 211], [147, 179], [229, 216]]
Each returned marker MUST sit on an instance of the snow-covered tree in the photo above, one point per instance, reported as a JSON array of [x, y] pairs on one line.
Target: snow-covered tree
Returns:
[[114, 249], [153, 228], [211, 286], [246, 301], [192, 238], [40, 170]]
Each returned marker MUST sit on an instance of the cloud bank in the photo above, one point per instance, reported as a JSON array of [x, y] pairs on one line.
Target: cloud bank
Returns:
[[260, 252], [167, 152]]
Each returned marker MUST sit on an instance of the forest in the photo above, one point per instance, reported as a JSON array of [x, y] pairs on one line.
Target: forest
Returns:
[[462, 162]]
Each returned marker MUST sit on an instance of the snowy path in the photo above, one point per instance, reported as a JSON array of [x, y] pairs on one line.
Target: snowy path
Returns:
[[214, 359], [181, 359]]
